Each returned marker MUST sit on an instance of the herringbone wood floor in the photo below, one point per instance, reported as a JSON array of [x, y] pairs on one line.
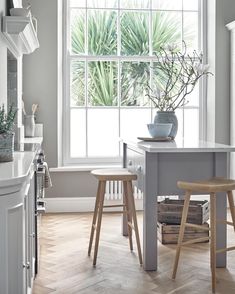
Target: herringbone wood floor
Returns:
[[65, 267]]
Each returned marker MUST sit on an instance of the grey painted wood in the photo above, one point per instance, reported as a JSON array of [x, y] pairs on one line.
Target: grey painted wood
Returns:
[[150, 248], [161, 173]]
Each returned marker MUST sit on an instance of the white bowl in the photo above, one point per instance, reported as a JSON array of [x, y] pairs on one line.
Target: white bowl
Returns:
[[159, 130], [20, 12]]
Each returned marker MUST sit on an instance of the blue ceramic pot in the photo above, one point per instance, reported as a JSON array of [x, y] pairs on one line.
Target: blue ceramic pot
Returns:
[[168, 117]]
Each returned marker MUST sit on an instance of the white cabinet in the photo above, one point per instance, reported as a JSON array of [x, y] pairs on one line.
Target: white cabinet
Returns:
[[17, 236]]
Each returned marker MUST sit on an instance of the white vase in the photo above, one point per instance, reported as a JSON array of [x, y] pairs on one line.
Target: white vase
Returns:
[[29, 125]]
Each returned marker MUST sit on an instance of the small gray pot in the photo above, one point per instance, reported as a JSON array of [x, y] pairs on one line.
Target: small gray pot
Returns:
[[164, 117], [6, 147]]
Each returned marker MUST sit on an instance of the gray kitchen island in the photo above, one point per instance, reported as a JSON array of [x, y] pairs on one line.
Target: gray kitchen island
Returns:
[[159, 165]]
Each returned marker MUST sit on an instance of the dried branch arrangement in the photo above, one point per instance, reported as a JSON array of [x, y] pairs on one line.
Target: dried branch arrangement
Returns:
[[176, 75]]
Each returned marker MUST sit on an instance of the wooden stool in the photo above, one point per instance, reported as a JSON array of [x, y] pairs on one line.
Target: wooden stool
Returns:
[[211, 187], [126, 177]]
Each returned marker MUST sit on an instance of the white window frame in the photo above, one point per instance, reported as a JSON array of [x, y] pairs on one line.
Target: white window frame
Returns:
[[66, 159]]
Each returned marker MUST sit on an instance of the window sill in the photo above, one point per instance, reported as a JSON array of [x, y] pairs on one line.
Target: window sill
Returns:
[[78, 168]]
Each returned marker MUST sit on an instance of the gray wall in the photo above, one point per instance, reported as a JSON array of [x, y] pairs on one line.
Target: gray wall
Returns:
[[41, 85], [40, 75], [3, 59], [219, 14]]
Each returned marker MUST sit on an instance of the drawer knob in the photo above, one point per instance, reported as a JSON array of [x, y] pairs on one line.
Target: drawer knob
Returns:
[[139, 168], [130, 163]]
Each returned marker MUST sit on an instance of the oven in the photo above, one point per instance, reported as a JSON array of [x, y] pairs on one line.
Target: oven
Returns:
[[39, 202]]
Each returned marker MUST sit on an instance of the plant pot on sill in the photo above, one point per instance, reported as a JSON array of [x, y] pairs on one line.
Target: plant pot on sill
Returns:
[[6, 147], [164, 117]]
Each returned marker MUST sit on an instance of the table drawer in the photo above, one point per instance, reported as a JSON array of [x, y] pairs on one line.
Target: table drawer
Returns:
[[135, 164]]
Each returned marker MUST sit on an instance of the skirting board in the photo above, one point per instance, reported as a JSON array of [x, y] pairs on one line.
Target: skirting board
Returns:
[[82, 204]]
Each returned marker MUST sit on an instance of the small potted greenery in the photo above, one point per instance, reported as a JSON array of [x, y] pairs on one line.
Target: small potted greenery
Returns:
[[177, 74], [6, 133]]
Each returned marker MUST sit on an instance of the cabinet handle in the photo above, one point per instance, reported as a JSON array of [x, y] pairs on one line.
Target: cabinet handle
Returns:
[[32, 235], [130, 162], [139, 168], [26, 265]]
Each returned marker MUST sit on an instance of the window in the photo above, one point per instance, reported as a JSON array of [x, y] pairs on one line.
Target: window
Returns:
[[109, 58]]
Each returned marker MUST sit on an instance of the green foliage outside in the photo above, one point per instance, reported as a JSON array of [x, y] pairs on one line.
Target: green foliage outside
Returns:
[[102, 40]]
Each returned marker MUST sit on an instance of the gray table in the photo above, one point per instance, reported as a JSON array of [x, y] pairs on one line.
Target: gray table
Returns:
[[159, 166]]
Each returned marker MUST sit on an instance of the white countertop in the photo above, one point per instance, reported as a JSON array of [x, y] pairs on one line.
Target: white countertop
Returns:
[[15, 172], [179, 145]]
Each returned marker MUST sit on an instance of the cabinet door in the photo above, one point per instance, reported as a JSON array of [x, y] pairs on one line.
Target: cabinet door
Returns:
[[29, 233], [12, 245]]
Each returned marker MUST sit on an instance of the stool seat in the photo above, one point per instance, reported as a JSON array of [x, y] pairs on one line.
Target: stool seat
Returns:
[[212, 185], [118, 174]]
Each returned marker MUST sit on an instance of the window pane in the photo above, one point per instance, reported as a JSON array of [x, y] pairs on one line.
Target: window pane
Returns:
[[78, 133], [134, 33], [190, 4], [134, 122], [102, 3], [167, 4], [103, 136], [102, 83], [193, 98], [102, 32], [134, 4], [78, 3], [77, 31], [166, 29], [77, 83], [179, 114], [190, 31], [134, 78], [191, 125]]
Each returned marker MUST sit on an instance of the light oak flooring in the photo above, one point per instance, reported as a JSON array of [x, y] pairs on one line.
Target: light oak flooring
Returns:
[[65, 267]]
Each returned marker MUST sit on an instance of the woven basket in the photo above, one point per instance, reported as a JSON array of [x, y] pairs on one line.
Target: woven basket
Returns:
[[6, 147]]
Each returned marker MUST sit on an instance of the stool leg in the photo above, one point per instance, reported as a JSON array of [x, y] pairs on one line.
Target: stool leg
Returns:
[[213, 238], [231, 206], [181, 232], [94, 219], [128, 214], [133, 210], [101, 203]]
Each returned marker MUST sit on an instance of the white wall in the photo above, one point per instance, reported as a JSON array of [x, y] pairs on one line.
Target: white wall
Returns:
[[41, 84], [3, 59]]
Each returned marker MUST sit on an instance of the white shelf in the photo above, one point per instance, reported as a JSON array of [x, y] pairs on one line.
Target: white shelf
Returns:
[[20, 34]]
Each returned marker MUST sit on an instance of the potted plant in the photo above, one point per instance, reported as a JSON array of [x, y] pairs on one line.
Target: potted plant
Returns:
[[6, 133], [177, 74]]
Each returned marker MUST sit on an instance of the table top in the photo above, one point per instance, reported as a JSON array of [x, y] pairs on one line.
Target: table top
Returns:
[[179, 145]]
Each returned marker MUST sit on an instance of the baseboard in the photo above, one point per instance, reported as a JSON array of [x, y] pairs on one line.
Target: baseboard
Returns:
[[81, 204]]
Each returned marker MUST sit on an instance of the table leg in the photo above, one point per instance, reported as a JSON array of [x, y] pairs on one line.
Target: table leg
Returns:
[[221, 170], [150, 250]]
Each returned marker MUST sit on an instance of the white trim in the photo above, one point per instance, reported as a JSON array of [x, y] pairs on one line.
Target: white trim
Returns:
[[76, 168], [80, 204]]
